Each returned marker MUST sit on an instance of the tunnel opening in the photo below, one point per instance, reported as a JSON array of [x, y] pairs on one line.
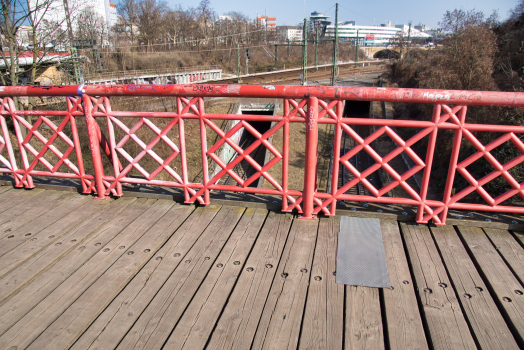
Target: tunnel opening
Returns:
[[260, 154], [244, 168]]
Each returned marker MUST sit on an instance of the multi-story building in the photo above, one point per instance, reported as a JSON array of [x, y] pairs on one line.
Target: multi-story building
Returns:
[[317, 19], [268, 23], [289, 33], [57, 13], [372, 35]]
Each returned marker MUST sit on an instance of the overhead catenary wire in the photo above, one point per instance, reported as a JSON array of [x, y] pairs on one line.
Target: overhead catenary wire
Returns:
[[192, 40], [193, 51]]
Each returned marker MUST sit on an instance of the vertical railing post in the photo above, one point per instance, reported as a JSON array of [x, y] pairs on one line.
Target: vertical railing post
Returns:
[[94, 146], [310, 168]]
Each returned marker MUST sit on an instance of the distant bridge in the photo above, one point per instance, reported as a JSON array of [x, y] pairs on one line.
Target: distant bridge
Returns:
[[156, 76]]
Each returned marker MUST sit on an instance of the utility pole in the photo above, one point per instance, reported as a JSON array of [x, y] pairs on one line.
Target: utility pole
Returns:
[[356, 51], [238, 64], [335, 49], [409, 39], [247, 61], [316, 48], [276, 54], [74, 53], [287, 39], [304, 53]]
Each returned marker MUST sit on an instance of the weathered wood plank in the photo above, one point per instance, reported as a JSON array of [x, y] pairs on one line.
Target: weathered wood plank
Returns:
[[17, 197], [405, 329], [511, 250], [363, 319], [155, 324], [323, 324], [53, 252], [32, 227], [30, 326], [281, 320], [488, 325], [25, 308], [498, 278], [447, 325], [238, 323], [114, 322], [39, 238], [63, 332], [196, 325], [29, 210]]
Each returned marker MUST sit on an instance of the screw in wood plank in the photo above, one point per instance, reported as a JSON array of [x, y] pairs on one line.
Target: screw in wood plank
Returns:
[[219, 265], [176, 255], [518, 292], [303, 270], [51, 237], [187, 261], [269, 266], [443, 285], [405, 282], [284, 275], [81, 248], [121, 247], [11, 236], [98, 244], [28, 234], [33, 239], [507, 300], [106, 250], [236, 263], [58, 243], [467, 296], [147, 250], [158, 258], [130, 253], [427, 290], [73, 240], [479, 289], [318, 278], [207, 258], [249, 269]]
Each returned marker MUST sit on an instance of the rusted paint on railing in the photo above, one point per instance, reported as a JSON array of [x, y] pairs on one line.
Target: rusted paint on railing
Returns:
[[312, 105]]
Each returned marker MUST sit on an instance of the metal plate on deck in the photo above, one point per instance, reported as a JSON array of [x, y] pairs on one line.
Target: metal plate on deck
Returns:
[[361, 259]]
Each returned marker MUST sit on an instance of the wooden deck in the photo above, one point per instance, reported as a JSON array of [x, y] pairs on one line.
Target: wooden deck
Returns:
[[137, 273]]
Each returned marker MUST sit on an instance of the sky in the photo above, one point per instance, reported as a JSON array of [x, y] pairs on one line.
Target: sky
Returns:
[[366, 12]]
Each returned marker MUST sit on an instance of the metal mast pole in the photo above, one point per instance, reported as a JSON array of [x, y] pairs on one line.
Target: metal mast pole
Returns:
[[316, 49], [238, 64], [335, 49], [304, 54], [356, 50]]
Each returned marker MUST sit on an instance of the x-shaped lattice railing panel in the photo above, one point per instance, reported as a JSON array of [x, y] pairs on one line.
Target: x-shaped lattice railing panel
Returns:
[[382, 162], [500, 169], [147, 149], [261, 139]]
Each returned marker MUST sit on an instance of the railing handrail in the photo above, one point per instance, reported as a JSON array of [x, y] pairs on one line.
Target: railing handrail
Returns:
[[357, 93], [311, 105]]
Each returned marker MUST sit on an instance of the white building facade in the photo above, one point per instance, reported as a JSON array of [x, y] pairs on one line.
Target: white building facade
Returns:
[[372, 35], [57, 13], [290, 33]]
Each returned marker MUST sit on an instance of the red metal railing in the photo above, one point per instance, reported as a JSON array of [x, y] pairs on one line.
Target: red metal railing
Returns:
[[309, 105]]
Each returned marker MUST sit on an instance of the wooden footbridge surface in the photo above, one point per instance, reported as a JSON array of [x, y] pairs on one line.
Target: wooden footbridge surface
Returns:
[[138, 273]]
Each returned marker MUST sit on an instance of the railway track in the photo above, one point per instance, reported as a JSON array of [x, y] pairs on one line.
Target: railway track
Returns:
[[362, 160], [293, 75]]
